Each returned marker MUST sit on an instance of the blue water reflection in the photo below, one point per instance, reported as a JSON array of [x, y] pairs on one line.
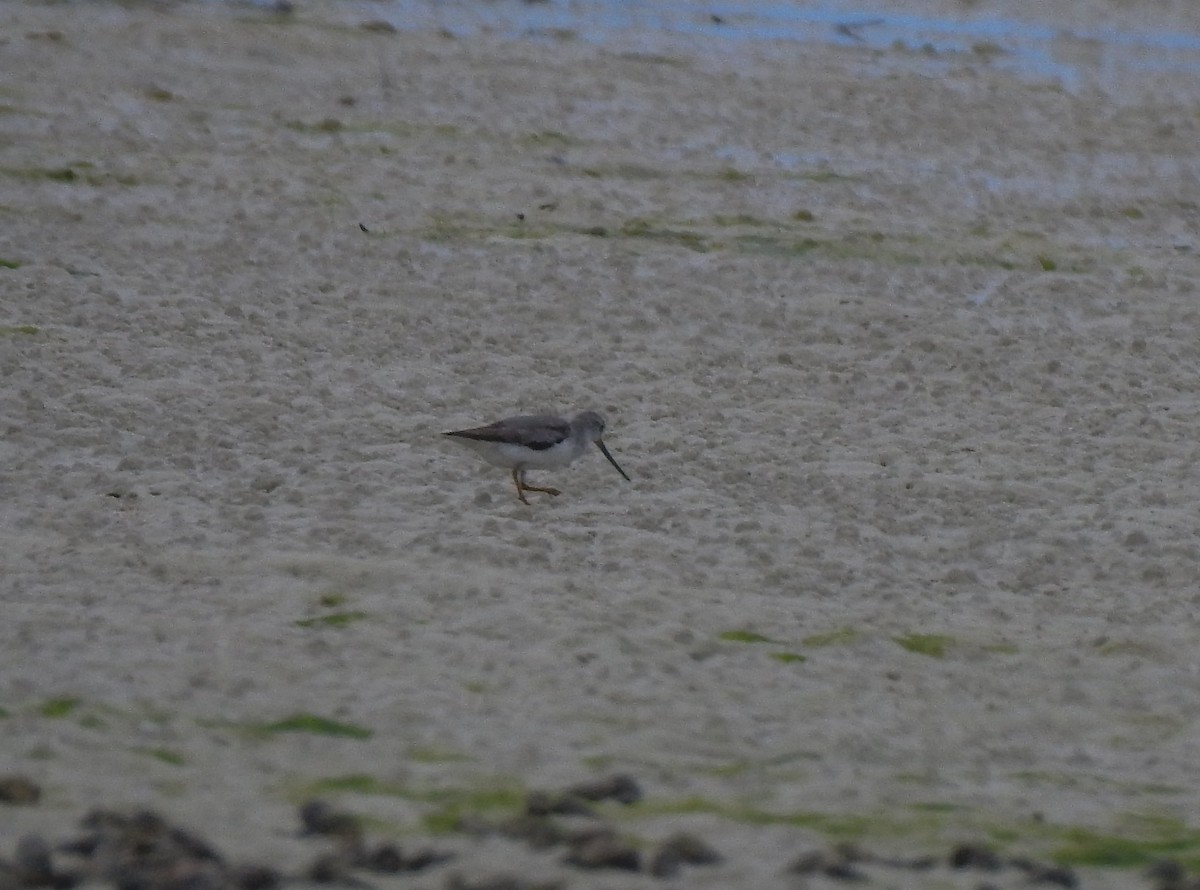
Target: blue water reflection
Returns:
[[1072, 57]]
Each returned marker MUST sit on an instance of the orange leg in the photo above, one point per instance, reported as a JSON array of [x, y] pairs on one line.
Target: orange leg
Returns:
[[522, 487]]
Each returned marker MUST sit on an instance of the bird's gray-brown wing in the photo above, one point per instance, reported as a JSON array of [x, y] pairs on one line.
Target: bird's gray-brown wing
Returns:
[[536, 431]]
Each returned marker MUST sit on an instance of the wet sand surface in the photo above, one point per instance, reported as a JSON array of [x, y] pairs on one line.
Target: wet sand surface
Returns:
[[900, 353]]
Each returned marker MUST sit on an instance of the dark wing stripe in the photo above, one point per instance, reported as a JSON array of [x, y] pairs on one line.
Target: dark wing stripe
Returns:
[[543, 439], [483, 434]]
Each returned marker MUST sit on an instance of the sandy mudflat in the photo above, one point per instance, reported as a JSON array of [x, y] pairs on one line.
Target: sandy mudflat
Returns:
[[901, 354]]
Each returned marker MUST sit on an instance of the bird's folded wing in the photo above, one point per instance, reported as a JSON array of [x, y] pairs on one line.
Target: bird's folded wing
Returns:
[[534, 431]]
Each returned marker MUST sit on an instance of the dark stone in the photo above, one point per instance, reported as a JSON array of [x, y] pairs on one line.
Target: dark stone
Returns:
[[318, 817], [603, 849], [32, 866], [974, 856], [385, 858], [681, 849], [492, 882], [189, 844], [541, 803], [1167, 872], [255, 877], [831, 863], [1055, 875], [378, 26], [621, 788], [843, 871], [537, 831], [664, 864], [19, 791], [329, 868], [424, 859]]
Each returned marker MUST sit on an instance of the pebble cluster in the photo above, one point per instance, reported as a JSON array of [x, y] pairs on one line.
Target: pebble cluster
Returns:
[[143, 851]]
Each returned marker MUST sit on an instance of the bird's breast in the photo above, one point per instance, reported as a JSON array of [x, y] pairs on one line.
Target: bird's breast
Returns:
[[513, 456]]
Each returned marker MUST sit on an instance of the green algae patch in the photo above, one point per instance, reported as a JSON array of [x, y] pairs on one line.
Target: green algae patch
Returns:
[[316, 725], [546, 138], [80, 172], [931, 823], [448, 806], [1135, 842], [57, 708], [19, 330], [744, 636], [832, 825], [431, 754], [738, 219], [54, 174], [933, 645], [729, 770], [641, 228], [1150, 840], [324, 125], [164, 755], [333, 619], [353, 783], [936, 806], [789, 657], [1002, 648], [516, 228], [839, 637], [1135, 648], [774, 245], [454, 805]]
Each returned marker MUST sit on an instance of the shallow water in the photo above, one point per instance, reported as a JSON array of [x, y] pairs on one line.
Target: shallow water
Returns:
[[1074, 56]]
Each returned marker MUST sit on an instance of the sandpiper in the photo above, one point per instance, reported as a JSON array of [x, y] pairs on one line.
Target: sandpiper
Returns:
[[536, 442]]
